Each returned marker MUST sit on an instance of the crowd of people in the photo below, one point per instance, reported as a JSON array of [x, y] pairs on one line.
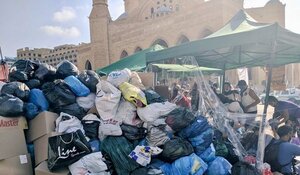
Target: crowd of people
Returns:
[[281, 148]]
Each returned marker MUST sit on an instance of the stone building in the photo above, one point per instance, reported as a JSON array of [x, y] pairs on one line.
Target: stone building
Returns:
[[32, 54], [60, 53], [50, 56], [166, 22]]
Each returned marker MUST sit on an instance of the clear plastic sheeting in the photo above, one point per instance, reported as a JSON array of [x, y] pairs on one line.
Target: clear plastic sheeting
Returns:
[[233, 125]]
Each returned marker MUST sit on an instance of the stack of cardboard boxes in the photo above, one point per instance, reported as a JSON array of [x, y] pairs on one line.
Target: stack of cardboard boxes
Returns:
[[14, 157], [40, 129]]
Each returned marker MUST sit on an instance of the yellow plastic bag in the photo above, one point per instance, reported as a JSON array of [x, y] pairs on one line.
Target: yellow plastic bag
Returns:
[[133, 94]]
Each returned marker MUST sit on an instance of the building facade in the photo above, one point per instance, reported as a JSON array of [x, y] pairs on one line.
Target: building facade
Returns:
[[61, 53], [50, 56], [32, 54], [165, 22]]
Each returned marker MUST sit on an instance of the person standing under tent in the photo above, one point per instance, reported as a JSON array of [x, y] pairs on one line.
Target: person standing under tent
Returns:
[[280, 153], [231, 94], [249, 99], [285, 111]]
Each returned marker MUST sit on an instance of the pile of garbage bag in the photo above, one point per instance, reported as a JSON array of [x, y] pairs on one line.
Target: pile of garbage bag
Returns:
[[132, 130]]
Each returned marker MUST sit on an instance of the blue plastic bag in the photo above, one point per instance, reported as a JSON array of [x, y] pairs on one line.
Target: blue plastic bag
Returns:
[[209, 154], [95, 145], [188, 165], [219, 166], [31, 111], [79, 89], [202, 142], [38, 98], [198, 126]]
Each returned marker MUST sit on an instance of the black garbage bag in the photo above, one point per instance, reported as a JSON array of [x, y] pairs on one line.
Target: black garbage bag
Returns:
[[139, 171], [175, 149], [65, 69], [30, 111], [17, 89], [133, 132], [33, 83], [10, 106], [118, 149], [17, 76], [179, 118], [26, 66], [90, 79], [72, 109], [153, 97], [243, 168], [91, 128], [45, 72], [58, 93]]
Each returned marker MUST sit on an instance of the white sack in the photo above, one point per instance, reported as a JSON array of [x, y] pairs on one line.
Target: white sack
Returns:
[[136, 80], [86, 102], [66, 123], [127, 113], [118, 77], [109, 128], [90, 164], [155, 110], [107, 100]]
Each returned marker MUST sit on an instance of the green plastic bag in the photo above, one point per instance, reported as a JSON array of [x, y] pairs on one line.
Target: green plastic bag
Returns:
[[118, 149]]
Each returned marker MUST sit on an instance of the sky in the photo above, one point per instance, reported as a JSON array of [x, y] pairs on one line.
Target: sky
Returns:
[[49, 23]]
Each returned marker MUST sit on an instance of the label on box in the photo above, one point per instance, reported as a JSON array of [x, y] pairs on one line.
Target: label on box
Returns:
[[19, 122], [23, 159]]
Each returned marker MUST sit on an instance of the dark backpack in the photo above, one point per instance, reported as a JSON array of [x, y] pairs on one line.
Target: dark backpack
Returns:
[[271, 155]]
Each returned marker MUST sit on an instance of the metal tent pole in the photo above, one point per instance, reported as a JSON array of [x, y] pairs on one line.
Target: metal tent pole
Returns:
[[261, 139]]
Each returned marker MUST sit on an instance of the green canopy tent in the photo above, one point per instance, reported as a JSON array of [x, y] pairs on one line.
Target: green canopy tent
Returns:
[[183, 68], [242, 42], [135, 62]]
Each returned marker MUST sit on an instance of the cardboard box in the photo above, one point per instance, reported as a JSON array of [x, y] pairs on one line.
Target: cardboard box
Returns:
[[12, 143], [42, 169], [41, 148], [41, 125], [147, 79], [16, 122], [17, 165]]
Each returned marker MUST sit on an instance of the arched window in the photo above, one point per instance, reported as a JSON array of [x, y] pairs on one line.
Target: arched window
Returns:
[[88, 65], [182, 39], [137, 49], [160, 42], [124, 54]]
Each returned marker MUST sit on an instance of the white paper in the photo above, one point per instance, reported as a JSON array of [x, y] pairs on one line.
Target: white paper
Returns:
[[23, 159]]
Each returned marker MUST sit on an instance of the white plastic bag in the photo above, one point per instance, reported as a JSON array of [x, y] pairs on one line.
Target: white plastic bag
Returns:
[[109, 128], [89, 164], [127, 113], [66, 123], [157, 132], [107, 100], [155, 110], [136, 80], [142, 154], [118, 77], [86, 102]]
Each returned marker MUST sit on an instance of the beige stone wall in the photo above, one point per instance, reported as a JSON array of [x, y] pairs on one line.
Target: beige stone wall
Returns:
[[141, 27]]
